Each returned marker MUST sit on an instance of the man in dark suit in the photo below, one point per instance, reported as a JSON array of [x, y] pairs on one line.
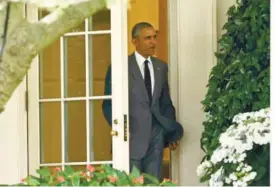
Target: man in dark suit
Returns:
[[152, 117]]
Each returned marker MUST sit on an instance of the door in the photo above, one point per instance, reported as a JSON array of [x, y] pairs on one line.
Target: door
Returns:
[[66, 125]]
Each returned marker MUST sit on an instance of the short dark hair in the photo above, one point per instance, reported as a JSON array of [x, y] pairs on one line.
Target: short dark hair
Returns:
[[137, 27]]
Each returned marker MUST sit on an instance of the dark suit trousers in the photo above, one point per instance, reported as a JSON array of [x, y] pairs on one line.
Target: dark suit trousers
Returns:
[[151, 163]]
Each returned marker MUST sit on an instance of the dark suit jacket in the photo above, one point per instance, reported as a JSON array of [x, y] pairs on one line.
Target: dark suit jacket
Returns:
[[141, 111]]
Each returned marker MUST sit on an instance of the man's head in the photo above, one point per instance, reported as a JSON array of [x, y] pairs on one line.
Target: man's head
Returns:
[[144, 38]]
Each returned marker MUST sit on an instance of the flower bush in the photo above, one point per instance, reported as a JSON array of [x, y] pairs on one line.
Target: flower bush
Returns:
[[229, 163], [240, 81], [104, 175]]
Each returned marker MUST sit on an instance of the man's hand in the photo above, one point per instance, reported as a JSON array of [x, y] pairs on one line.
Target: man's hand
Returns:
[[173, 145]]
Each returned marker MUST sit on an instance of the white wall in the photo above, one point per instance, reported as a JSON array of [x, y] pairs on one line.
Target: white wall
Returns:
[[195, 49], [13, 157]]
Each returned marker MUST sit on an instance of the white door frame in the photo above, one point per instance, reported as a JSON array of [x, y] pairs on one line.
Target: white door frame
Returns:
[[177, 62], [173, 76], [119, 93], [120, 86]]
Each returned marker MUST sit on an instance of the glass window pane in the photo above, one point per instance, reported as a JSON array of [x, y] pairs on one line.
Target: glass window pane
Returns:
[[50, 132], [100, 21], [49, 73], [101, 140], [74, 57], [99, 60], [75, 137]]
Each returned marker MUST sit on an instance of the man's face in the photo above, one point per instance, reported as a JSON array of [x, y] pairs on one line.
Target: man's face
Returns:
[[146, 42]]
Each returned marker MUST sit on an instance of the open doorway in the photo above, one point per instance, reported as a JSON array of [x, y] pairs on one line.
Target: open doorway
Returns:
[[162, 53], [156, 13]]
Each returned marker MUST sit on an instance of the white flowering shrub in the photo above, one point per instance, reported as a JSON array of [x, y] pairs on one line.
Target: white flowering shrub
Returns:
[[232, 162]]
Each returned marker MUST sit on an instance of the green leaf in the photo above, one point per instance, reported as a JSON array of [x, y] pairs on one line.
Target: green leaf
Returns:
[[68, 170], [204, 178], [123, 178], [107, 184], [168, 184], [123, 182], [260, 173], [32, 181], [44, 172], [108, 168], [151, 178], [75, 180], [135, 172], [94, 183], [238, 22]]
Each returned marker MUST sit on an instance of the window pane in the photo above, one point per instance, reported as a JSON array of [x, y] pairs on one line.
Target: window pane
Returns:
[[74, 63], [75, 137], [100, 21], [99, 61], [50, 132], [49, 73], [101, 140]]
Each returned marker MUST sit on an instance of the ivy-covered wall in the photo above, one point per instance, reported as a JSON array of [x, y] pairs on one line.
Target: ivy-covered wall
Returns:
[[240, 82]]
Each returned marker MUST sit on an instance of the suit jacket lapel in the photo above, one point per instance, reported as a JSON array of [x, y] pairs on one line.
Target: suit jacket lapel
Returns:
[[157, 76], [137, 85]]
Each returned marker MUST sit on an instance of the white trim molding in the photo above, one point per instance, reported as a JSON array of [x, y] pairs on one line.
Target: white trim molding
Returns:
[[214, 34], [13, 136], [33, 112], [192, 43], [13, 142], [173, 75]]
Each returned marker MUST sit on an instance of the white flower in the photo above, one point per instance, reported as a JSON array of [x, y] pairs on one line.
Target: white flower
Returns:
[[216, 178], [208, 164], [239, 184], [236, 158], [248, 129], [251, 176], [200, 171], [241, 157], [241, 165], [261, 132], [221, 153], [246, 168], [227, 180], [233, 176], [202, 168]]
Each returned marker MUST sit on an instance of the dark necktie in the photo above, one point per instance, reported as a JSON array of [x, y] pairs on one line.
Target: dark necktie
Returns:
[[147, 80]]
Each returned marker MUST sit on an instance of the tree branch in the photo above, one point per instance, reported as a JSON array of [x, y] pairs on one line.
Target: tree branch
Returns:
[[28, 39], [16, 15], [5, 29]]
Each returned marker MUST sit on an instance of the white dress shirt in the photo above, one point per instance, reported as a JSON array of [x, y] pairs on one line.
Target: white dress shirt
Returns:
[[140, 60]]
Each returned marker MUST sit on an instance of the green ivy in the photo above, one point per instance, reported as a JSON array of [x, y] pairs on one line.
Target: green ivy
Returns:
[[240, 82]]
